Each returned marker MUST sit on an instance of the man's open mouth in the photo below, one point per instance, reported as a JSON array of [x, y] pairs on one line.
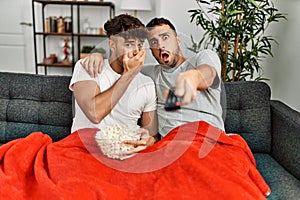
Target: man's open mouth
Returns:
[[165, 56]]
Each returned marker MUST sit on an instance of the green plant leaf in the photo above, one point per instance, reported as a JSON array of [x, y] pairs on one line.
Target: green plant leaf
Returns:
[[241, 22]]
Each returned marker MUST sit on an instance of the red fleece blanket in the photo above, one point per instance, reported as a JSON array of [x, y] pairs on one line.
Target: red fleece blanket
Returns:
[[194, 161]]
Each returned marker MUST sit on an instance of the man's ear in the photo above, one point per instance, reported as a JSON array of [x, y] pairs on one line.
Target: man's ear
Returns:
[[112, 45], [178, 40]]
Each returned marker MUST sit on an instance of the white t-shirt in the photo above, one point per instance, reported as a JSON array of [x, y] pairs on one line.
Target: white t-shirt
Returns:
[[139, 97], [206, 106]]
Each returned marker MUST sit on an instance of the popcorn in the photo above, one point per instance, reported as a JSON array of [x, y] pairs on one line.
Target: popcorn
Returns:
[[111, 138]]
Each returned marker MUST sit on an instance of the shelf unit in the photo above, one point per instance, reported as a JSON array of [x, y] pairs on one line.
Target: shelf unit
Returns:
[[74, 35]]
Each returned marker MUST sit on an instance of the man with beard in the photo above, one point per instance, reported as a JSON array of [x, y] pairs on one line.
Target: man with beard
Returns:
[[195, 79], [120, 95]]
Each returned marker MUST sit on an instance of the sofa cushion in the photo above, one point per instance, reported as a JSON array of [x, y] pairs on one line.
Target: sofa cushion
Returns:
[[283, 185], [31, 102], [247, 111]]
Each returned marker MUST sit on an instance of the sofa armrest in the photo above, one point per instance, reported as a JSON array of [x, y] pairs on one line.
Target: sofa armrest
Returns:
[[286, 136]]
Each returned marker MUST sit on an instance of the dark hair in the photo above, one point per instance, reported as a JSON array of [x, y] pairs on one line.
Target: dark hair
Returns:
[[159, 21], [126, 26]]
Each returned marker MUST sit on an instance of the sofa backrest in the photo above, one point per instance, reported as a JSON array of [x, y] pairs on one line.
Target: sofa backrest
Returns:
[[30, 102], [247, 112]]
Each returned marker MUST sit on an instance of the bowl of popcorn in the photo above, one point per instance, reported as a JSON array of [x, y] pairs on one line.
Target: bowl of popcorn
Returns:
[[111, 140]]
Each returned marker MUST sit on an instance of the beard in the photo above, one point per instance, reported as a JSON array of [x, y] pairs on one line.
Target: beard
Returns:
[[169, 59]]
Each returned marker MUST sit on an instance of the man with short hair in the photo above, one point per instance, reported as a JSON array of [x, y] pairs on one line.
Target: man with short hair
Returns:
[[120, 95]]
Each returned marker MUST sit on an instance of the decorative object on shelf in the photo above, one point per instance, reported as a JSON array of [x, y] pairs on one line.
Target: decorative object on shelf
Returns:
[[66, 55], [51, 59], [237, 30], [99, 50], [86, 50], [90, 0], [53, 24], [67, 51], [93, 31], [65, 44], [60, 24], [47, 25], [101, 31], [68, 24], [47, 29], [136, 5], [85, 25]]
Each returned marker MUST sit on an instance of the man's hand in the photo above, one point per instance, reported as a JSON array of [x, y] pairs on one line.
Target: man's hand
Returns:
[[186, 86], [145, 141], [93, 64], [188, 82], [134, 62]]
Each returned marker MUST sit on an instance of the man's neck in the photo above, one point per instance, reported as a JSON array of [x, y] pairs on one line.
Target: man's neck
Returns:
[[180, 61], [116, 65]]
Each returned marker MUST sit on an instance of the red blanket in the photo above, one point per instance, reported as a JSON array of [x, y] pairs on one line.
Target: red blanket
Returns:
[[194, 161]]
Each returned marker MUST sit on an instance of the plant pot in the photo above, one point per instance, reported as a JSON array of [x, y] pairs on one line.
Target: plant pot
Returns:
[[83, 55]]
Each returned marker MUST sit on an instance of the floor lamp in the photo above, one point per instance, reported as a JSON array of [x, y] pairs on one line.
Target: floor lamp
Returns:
[[136, 5]]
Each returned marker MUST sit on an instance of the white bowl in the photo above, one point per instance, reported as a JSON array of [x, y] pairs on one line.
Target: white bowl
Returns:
[[110, 140]]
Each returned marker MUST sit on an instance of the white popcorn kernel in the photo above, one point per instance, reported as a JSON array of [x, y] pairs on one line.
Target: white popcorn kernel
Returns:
[[110, 140]]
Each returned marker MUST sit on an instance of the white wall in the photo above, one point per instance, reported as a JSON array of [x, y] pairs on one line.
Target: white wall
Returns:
[[283, 69], [177, 12]]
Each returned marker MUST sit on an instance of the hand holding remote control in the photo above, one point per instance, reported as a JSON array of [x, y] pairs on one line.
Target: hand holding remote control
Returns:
[[173, 102]]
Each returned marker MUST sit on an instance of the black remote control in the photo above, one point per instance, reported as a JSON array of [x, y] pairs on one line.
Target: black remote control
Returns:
[[173, 102]]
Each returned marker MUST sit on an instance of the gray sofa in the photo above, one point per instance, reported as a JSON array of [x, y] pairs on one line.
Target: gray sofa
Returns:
[[31, 102], [272, 130], [44, 103]]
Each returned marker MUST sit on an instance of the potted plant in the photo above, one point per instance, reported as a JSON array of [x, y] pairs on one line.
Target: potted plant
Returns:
[[236, 29], [86, 50], [100, 50]]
